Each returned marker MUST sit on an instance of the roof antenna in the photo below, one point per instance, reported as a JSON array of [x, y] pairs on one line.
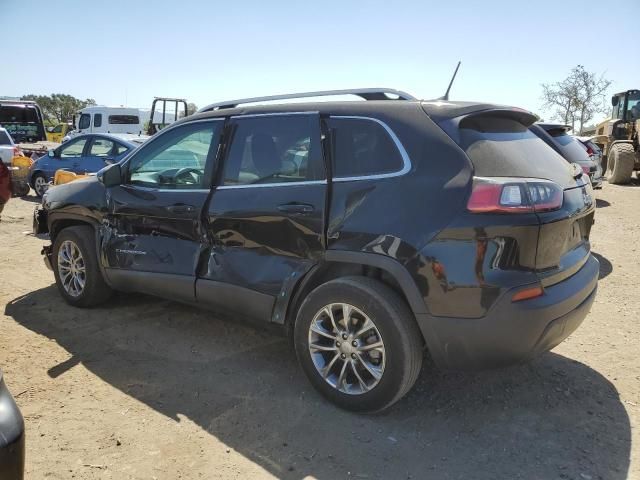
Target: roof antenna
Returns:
[[446, 95]]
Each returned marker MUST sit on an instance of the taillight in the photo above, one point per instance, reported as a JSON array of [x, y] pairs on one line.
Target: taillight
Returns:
[[514, 195], [17, 152], [590, 150], [586, 169]]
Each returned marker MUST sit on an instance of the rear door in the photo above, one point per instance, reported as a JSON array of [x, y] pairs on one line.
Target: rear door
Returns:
[[69, 156], [99, 152], [153, 238], [266, 219]]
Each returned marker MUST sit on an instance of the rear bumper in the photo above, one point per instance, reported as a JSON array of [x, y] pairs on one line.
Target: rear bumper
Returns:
[[513, 332], [11, 437]]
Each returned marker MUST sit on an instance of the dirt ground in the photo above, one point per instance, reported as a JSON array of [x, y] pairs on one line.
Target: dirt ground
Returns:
[[149, 389]]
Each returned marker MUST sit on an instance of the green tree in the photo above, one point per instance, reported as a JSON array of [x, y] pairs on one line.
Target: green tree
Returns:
[[191, 108], [59, 107]]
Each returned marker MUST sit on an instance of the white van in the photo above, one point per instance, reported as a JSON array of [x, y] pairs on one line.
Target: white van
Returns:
[[100, 119]]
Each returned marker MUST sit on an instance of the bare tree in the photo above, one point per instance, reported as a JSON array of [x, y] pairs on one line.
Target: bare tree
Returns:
[[577, 98]]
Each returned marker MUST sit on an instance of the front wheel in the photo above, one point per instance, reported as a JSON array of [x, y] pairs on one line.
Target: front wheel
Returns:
[[620, 163], [75, 266], [358, 344]]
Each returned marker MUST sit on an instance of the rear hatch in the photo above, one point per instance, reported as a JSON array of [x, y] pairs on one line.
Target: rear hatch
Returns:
[[517, 173], [23, 121]]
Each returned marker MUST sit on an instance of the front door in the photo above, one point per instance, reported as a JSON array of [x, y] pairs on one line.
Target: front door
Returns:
[[68, 155], [153, 237], [266, 217]]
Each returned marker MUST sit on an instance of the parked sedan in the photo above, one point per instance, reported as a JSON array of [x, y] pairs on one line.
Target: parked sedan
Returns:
[[557, 137], [83, 154], [11, 436]]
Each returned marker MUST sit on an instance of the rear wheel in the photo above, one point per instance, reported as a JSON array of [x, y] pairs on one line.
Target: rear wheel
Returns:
[[358, 344], [40, 184], [621, 160], [75, 266]]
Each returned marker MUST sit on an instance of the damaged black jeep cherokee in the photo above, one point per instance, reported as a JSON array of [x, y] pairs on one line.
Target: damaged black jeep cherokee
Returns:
[[370, 230]]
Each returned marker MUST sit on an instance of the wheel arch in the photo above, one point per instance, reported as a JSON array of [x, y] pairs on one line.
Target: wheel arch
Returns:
[[61, 221], [338, 264]]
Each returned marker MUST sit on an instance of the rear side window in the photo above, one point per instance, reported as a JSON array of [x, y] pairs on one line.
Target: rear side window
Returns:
[[120, 149], [275, 149], [97, 120], [504, 147], [362, 147], [101, 147], [124, 119], [5, 139]]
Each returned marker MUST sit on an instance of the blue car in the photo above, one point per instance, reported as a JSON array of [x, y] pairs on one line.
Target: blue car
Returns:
[[82, 154]]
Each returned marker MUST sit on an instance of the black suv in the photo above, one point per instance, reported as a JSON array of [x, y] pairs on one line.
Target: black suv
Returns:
[[370, 230]]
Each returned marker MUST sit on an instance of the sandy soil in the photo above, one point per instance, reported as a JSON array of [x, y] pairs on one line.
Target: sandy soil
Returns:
[[149, 389]]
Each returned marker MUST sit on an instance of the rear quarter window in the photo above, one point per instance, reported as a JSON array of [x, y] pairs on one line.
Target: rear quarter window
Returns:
[[362, 147], [124, 119]]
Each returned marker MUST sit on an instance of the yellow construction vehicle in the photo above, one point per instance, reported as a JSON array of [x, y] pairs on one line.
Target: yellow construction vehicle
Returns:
[[57, 133], [618, 137]]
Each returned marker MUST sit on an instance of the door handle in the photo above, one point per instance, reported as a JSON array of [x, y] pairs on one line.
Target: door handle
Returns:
[[181, 209], [296, 208]]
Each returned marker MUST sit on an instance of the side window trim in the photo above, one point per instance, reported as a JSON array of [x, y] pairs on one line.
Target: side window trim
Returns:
[[406, 160], [145, 145], [271, 184]]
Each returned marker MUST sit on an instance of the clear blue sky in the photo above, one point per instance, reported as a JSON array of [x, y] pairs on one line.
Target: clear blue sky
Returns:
[[129, 51]]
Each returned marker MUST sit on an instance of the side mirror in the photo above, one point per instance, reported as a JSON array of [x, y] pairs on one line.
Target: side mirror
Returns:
[[111, 175], [614, 101], [51, 153]]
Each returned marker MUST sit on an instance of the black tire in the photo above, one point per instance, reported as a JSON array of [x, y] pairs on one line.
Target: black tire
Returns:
[[95, 290], [620, 163], [36, 186], [403, 346]]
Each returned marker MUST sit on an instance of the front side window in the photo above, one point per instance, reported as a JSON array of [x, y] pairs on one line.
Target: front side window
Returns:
[[101, 147], [361, 148], [97, 120], [275, 149], [176, 159], [85, 121], [73, 149]]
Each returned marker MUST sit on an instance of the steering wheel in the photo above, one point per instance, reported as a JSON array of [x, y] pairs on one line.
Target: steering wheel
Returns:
[[194, 172]]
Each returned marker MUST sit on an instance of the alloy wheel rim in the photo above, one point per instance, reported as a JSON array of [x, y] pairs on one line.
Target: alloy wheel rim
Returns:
[[71, 268], [40, 185], [346, 348]]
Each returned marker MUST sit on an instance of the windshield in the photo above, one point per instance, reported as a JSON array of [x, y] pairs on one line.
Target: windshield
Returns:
[[4, 138], [633, 105], [502, 147]]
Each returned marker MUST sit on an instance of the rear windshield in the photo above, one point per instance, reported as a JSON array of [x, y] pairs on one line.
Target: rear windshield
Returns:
[[503, 147], [124, 119], [22, 122], [4, 139], [571, 149]]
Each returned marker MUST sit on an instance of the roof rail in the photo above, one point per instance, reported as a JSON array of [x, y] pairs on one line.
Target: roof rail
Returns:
[[365, 93]]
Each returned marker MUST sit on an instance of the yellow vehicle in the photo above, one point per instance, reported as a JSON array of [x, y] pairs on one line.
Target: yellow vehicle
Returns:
[[65, 176], [57, 133], [19, 170], [619, 136]]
